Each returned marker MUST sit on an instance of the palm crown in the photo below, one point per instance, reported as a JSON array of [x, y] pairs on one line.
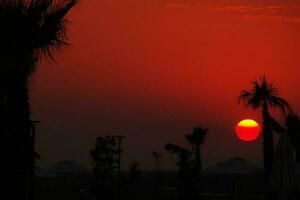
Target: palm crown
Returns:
[[263, 92], [31, 29], [197, 137]]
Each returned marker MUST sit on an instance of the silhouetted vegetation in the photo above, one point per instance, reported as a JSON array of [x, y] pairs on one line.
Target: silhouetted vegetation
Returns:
[[35, 30], [292, 128], [134, 173], [292, 124], [184, 158], [189, 163], [264, 95], [105, 157], [30, 31], [197, 139], [157, 157]]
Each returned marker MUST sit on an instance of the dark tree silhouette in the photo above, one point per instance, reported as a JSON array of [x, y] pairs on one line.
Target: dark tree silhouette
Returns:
[[134, 173], [134, 168], [292, 125], [30, 30], [183, 158], [197, 139], [157, 159], [264, 95], [184, 172], [105, 157], [157, 156], [189, 163], [292, 128]]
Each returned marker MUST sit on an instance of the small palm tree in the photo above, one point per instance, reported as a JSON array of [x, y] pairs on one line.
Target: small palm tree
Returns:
[[157, 156], [197, 139], [189, 163], [264, 95], [183, 156], [30, 30], [157, 159]]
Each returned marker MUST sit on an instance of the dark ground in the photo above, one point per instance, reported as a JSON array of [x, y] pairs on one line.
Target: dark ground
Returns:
[[149, 185]]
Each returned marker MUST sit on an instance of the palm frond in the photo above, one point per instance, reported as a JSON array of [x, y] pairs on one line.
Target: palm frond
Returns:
[[276, 126], [30, 30], [156, 154], [293, 122], [244, 96], [189, 138], [249, 98], [173, 148], [282, 104], [53, 27], [199, 134], [37, 8], [263, 92]]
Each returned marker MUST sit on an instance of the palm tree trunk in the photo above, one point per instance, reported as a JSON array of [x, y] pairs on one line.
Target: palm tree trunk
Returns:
[[297, 154], [20, 157], [3, 148], [2, 123], [268, 144]]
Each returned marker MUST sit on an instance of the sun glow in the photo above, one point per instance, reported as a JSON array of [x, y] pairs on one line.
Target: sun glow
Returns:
[[248, 123], [247, 130]]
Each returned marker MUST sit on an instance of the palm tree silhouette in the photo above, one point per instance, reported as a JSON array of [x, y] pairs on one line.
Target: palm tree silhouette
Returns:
[[264, 95], [183, 156], [157, 159], [134, 174], [292, 125], [197, 139], [30, 31], [157, 156], [189, 163]]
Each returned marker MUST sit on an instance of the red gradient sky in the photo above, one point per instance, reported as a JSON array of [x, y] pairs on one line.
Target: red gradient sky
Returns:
[[151, 70]]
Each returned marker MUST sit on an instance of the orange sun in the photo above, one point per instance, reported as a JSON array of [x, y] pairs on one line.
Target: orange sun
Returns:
[[247, 130]]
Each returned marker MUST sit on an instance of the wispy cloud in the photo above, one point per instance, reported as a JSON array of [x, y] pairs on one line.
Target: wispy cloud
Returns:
[[279, 19], [184, 4], [280, 14], [247, 9], [179, 5]]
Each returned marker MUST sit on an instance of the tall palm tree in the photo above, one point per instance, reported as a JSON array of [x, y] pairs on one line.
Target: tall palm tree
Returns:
[[264, 95], [197, 139], [30, 30], [292, 128], [292, 124]]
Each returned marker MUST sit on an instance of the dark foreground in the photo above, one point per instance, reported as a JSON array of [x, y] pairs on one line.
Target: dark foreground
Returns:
[[151, 186]]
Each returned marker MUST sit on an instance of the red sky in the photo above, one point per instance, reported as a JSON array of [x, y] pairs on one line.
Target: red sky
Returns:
[[153, 69]]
